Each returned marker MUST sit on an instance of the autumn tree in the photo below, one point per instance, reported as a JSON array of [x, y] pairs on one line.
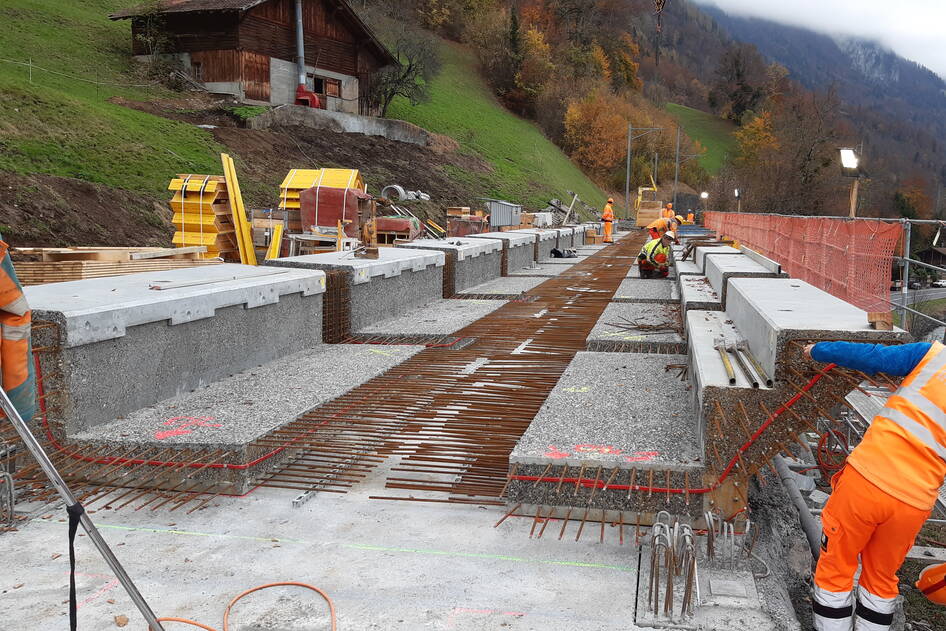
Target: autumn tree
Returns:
[[596, 131]]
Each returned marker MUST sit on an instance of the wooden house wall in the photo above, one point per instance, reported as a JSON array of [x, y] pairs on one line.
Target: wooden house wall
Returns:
[[192, 32]]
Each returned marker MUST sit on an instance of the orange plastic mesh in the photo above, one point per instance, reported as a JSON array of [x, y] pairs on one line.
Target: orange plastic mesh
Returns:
[[849, 259]]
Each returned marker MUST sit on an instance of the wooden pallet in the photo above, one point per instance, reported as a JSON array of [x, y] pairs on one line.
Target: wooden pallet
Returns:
[[108, 253], [43, 272]]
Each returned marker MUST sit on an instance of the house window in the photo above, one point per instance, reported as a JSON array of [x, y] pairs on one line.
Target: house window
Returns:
[[197, 70], [324, 86]]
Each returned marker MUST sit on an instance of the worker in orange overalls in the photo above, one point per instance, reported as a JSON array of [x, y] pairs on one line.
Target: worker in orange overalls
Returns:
[[668, 211], [607, 216], [16, 352], [691, 218], [659, 226], [886, 491]]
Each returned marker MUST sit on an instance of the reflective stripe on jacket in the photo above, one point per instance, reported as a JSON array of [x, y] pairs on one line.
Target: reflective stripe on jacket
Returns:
[[652, 249], [16, 352], [904, 450]]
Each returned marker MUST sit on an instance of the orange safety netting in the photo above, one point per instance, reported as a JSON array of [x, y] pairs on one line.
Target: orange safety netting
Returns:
[[848, 258]]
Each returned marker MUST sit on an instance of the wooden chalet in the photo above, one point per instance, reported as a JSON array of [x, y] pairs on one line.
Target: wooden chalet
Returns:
[[247, 48]]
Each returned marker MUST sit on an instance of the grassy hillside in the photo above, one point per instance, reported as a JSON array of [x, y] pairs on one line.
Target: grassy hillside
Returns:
[[64, 126], [715, 134], [527, 167]]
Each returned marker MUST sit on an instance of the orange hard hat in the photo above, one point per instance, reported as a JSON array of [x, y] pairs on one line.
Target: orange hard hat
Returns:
[[669, 205], [932, 583], [610, 200]]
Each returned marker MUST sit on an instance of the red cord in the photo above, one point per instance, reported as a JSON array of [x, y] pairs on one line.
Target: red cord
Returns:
[[598, 483]]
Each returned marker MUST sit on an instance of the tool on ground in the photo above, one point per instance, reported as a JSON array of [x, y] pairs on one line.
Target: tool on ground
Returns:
[[77, 517], [720, 345], [743, 365], [743, 347]]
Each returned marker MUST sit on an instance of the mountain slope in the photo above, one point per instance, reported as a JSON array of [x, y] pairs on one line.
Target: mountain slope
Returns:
[[528, 168]]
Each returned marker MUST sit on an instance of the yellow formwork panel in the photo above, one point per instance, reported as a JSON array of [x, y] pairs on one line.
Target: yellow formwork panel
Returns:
[[201, 214], [299, 180]]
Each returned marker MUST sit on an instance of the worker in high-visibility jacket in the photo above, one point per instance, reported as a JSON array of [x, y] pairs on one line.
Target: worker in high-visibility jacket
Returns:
[[668, 211], [607, 217], [886, 490], [691, 218], [659, 226], [654, 258], [16, 352]]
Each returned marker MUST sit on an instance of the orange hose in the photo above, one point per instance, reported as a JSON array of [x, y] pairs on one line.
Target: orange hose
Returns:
[[226, 613]]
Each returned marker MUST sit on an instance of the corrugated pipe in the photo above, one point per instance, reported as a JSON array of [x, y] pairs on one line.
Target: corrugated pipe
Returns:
[[808, 523]]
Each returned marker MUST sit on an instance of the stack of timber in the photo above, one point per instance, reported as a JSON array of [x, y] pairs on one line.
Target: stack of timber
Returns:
[[38, 266], [648, 212], [202, 215]]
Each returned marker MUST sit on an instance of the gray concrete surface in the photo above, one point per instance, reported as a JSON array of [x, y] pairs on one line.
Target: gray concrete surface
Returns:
[[400, 280], [635, 272], [699, 254], [474, 261], [151, 362], [624, 390], [97, 309], [388, 566], [647, 290], [441, 317], [548, 239], [687, 267], [605, 333], [340, 122], [770, 312], [241, 408], [697, 293], [563, 261], [510, 286], [546, 271], [720, 268]]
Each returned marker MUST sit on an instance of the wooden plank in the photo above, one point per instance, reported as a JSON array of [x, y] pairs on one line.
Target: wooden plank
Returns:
[[927, 554], [169, 252]]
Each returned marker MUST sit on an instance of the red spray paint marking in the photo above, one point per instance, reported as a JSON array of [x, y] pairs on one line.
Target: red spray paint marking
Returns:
[[184, 425]]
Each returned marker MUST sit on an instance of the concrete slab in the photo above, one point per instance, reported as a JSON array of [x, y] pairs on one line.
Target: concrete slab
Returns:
[[699, 254], [97, 309], [770, 312], [563, 261], [391, 262], [510, 286], [647, 290], [442, 317], [624, 390], [512, 237], [696, 293], [687, 267], [247, 405], [720, 268], [462, 575], [613, 328], [773, 266], [635, 272], [546, 240]]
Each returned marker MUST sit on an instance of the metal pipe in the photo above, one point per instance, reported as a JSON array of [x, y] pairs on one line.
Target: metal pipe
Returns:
[[905, 290], [808, 523], [676, 172], [300, 44], [627, 177], [70, 499]]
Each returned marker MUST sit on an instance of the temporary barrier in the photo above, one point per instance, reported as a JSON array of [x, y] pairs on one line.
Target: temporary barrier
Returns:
[[848, 258]]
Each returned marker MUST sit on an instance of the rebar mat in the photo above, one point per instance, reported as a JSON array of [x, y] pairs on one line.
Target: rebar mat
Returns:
[[452, 417]]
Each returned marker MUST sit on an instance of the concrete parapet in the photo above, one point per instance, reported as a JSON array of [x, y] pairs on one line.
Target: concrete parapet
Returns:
[[696, 293], [383, 288], [770, 312], [121, 346], [700, 253], [468, 262], [720, 268], [647, 290], [518, 249], [546, 241]]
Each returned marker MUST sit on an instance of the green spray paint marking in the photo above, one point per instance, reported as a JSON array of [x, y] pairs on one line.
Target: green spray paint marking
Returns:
[[358, 546]]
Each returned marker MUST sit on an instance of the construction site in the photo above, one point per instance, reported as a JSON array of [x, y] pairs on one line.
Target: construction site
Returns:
[[509, 428]]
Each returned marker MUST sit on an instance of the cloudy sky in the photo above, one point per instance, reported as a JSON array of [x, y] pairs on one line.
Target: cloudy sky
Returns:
[[915, 29]]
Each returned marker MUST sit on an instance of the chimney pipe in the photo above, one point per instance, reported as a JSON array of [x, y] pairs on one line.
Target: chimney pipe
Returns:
[[300, 44]]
